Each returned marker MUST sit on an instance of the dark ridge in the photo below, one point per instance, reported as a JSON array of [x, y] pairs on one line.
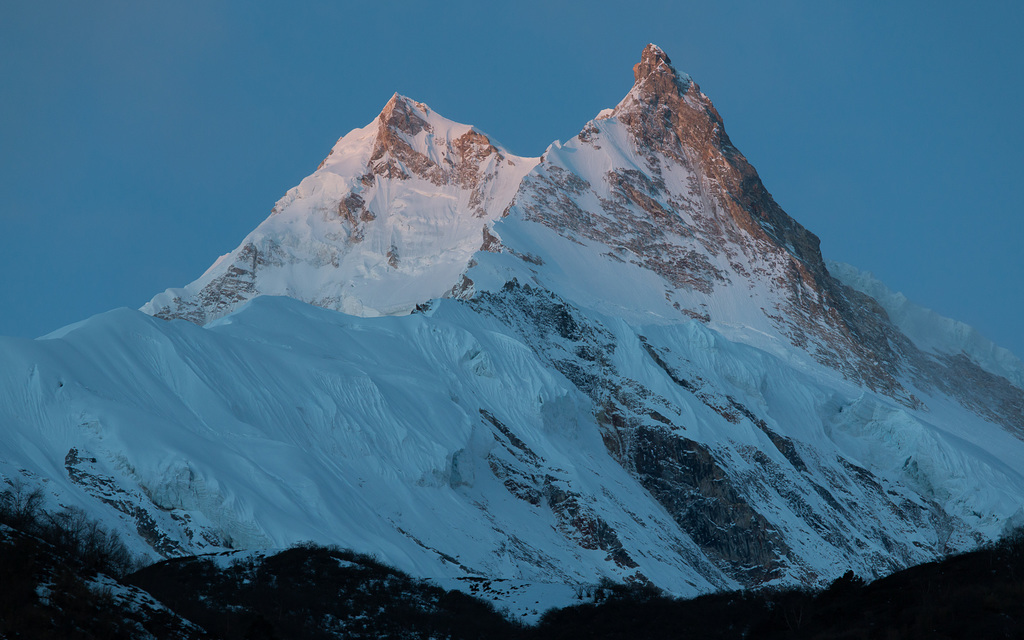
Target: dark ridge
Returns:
[[974, 595], [317, 592]]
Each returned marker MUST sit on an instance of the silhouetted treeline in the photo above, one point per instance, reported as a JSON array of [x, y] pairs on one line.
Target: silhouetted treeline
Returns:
[[316, 592], [70, 530], [56, 581]]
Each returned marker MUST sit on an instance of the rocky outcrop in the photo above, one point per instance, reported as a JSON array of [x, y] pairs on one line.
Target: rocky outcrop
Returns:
[[697, 492], [463, 160], [669, 115], [168, 532]]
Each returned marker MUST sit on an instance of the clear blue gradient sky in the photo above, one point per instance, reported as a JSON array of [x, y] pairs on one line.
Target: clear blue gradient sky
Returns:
[[140, 140]]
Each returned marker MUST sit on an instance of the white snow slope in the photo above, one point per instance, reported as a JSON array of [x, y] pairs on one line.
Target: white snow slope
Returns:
[[618, 360]]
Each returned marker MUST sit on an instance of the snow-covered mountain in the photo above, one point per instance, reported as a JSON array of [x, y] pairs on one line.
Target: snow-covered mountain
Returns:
[[390, 219], [619, 359]]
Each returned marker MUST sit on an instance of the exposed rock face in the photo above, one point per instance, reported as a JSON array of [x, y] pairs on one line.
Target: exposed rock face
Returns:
[[168, 531], [667, 114], [463, 160], [684, 477]]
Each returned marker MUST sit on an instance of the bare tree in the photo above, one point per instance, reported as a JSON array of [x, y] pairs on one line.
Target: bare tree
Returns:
[[21, 506]]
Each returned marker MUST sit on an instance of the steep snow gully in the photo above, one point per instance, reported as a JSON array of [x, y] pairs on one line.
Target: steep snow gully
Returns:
[[520, 375]]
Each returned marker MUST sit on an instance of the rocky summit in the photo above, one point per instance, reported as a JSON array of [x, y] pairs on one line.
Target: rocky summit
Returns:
[[521, 376]]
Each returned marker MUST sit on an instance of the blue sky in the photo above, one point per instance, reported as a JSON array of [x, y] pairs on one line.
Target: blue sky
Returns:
[[140, 140]]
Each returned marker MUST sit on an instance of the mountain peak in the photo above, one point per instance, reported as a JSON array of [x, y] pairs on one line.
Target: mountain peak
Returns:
[[404, 114], [390, 219], [655, 73], [651, 59]]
